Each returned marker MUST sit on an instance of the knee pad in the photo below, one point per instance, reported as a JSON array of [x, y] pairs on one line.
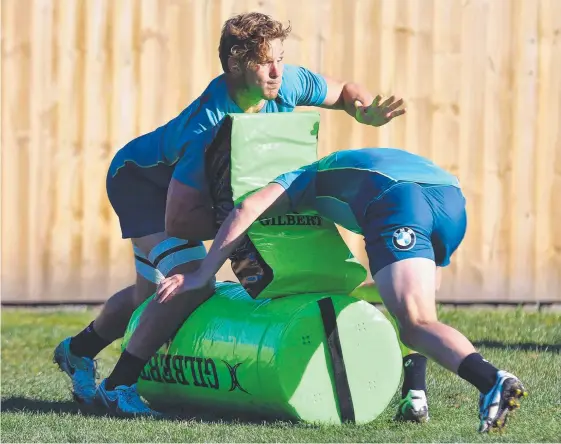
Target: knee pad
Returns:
[[173, 252], [145, 268]]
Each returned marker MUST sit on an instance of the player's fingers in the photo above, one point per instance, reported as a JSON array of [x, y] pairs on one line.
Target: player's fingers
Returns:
[[394, 114], [387, 102], [163, 288], [395, 105], [167, 294]]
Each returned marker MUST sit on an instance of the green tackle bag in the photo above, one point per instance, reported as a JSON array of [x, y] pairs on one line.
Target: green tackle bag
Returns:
[[288, 254]]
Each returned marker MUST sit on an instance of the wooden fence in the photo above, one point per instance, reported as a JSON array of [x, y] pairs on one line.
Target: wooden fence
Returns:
[[482, 81]]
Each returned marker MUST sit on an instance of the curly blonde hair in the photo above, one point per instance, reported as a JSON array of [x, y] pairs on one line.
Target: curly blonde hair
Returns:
[[247, 37]]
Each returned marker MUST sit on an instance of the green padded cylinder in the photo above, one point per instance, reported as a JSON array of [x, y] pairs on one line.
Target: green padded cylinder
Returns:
[[272, 357]]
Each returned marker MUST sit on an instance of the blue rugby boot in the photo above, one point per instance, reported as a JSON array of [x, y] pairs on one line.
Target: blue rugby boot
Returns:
[[80, 370], [123, 401], [500, 402]]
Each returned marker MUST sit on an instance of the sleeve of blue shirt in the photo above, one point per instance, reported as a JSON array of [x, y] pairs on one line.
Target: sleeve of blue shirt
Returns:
[[297, 185], [190, 169], [302, 87], [194, 136]]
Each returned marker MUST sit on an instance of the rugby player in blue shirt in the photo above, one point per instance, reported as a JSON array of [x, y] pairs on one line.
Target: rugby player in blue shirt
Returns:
[[156, 185]]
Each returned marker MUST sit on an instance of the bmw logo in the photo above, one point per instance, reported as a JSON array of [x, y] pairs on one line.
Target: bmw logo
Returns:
[[404, 238]]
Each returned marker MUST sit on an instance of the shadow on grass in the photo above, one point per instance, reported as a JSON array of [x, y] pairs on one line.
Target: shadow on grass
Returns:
[[521, 346], [37, 406], [29, 405]]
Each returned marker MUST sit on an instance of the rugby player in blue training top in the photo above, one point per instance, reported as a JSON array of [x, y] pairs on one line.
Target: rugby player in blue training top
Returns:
[[412, 216], [156, 185]]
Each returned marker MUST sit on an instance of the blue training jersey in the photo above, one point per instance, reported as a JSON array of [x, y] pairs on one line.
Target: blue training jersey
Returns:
[[342, 185], [180, 143]]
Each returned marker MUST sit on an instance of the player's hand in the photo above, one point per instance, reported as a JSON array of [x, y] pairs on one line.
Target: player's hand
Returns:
[[378, 114], [177, 284]]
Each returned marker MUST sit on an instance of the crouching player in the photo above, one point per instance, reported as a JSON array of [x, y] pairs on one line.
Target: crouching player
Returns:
[[412, 216]]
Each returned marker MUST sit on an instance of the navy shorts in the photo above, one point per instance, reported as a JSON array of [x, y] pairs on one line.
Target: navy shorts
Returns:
[[411, 220], [138, 196]]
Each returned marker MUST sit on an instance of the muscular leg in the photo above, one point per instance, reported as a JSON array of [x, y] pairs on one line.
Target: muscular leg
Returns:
[[75, 355], [109, 325], [191, 215], [113, 320], [114, 317], [414, 363], [157, 324], [413, 405], [408, 290], [159, 321]]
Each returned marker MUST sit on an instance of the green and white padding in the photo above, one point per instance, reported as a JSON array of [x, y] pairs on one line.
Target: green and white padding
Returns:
[[289, 342], [324, 358], [289, 254]]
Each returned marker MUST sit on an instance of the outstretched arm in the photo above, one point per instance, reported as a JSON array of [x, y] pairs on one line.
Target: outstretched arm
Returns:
[[272, 197], [307, 88], [358, 102]]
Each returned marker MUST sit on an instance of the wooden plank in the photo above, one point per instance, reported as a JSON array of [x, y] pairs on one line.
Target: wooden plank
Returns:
[[199, 51], [39, 150], [219, 12], [173, 67], [524, 110], [495, 149], [95, 154], [417, 131], [446, 56], [149, 109], [472, 85], [547, 243], [398, 74], [123, 105], [16, 63], [66, 233]]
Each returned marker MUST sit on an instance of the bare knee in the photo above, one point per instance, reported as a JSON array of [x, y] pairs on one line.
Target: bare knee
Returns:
[[407, 288], [164, 256], [412, 324]]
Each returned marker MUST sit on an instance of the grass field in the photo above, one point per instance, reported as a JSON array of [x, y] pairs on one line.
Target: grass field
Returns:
[[37, 406]]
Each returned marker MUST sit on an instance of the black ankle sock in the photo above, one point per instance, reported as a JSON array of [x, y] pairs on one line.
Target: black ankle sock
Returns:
[[126, 371], [87, 343], [478, 372], [414, 373]]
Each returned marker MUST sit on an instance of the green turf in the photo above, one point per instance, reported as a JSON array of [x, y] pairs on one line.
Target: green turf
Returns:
[[37, 406]]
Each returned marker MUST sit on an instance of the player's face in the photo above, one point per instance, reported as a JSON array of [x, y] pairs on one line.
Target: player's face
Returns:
[[266, 78]]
